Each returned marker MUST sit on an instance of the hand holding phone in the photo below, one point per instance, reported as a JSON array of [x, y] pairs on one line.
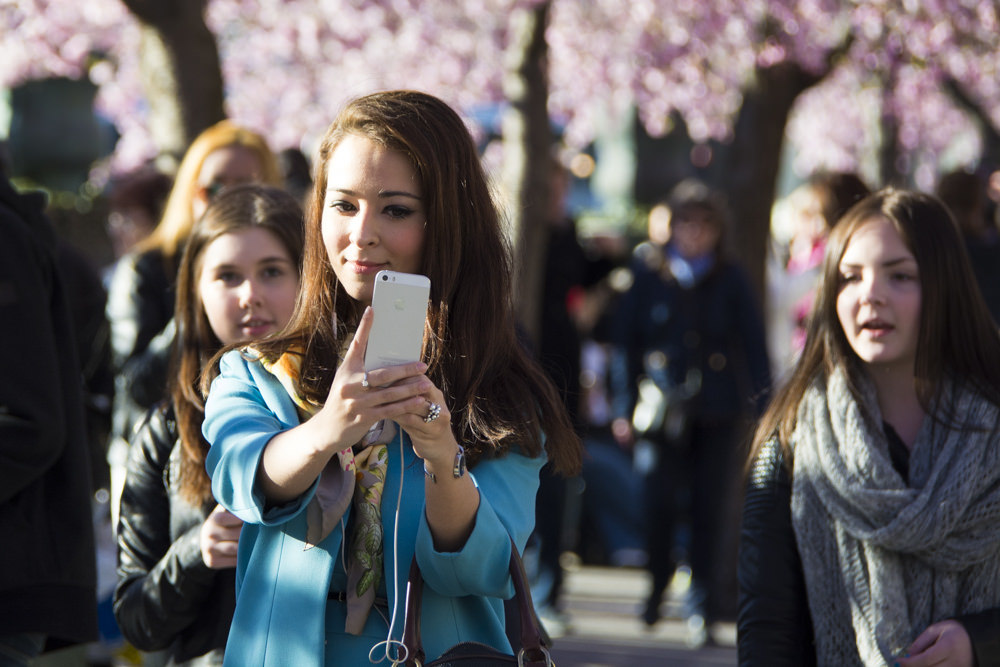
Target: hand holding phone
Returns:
[[399, 303]]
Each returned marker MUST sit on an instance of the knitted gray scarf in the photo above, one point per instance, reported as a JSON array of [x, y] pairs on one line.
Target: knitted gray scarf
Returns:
[[883, 559]]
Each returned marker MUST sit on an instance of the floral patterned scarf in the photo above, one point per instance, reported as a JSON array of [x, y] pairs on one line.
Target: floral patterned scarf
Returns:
[[355, 474]]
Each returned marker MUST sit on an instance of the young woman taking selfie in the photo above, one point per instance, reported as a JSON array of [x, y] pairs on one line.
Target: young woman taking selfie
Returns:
[[342, 477]]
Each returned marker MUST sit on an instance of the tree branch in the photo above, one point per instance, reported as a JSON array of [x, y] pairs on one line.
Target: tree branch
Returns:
[[991, 136]]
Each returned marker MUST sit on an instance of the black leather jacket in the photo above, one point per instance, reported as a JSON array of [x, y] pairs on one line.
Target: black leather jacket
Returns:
[[166, 597], [774, 626], [140, 312]]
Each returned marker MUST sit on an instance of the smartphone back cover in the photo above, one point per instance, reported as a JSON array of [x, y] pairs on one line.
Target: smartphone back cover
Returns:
[[400, 306]]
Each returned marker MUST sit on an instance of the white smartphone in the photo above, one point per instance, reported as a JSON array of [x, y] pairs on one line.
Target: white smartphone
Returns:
[[400, 306]]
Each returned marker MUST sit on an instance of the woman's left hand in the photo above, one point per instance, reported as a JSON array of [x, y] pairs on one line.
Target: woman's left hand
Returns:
[[944, 644], [451, 501], [432, 440]]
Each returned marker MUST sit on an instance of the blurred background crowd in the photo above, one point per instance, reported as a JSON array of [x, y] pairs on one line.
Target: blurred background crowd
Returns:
[[670, 171]]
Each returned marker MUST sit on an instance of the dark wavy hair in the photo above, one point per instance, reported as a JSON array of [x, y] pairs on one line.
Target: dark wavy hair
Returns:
[[235, 208], [957, 338], [497, 394]]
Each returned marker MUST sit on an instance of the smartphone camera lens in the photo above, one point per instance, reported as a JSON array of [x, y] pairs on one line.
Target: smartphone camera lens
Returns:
[[385, 278]]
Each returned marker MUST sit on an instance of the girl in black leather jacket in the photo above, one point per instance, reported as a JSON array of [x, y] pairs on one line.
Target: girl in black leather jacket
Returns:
[[237, 281], [141, 295], [869, 532]]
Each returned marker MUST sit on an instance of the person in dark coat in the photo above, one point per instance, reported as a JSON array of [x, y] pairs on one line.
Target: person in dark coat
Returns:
[[48, 574], [689, 339], [569, 270], [964, 194]]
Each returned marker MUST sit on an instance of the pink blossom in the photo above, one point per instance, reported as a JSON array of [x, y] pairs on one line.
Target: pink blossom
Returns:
[[288, 65]]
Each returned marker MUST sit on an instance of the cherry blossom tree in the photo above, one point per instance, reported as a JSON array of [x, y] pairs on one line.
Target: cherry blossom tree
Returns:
[[914, 83], [288, 64], [180, 69], [737, 70]]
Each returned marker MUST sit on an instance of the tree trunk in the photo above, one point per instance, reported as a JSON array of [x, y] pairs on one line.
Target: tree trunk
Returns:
[[990, 159], [890, 167], [182, 75], [755, 160], [527, 139]]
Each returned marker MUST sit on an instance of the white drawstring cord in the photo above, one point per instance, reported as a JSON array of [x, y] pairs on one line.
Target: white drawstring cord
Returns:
[[389, 642]]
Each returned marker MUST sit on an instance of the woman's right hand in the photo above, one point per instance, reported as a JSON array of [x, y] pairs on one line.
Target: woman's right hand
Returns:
[[219, 538], [358, 400], [944, 644], [294, 458]]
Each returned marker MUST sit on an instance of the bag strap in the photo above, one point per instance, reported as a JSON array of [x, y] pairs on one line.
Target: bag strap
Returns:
[[415, 655], [533, 650]]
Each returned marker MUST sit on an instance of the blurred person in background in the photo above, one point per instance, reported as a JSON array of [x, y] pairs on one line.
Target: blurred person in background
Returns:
[[48, 596], [136, 200], [689, 365], [569, 271], [612, 528], [813, 209], [296, 173], [965, 195]]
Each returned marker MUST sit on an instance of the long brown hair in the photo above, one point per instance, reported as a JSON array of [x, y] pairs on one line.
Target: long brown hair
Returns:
[[957, 338], [233, 209], [497, 394]]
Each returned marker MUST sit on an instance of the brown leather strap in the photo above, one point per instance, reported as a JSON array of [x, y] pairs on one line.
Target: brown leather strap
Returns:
[[531, 636], [411, 622]]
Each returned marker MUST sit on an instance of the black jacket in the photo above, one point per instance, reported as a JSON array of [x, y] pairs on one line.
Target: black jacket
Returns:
[[712, 330], [140, 312], [166, 597], [774, 626], [48, 574], [568, 269]]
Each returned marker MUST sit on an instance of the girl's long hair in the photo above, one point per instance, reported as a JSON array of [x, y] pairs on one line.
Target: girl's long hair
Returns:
[[235, 208], [497, 394], [957, 338]]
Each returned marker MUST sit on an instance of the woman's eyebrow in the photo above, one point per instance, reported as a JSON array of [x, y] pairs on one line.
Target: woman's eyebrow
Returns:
[[888, 262], [383, 194]]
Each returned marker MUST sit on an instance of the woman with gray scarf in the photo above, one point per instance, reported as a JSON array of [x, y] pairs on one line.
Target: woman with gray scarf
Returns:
[[871, 526]]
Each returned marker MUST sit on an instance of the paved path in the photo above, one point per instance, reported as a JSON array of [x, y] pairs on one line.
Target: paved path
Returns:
[[604, 629]]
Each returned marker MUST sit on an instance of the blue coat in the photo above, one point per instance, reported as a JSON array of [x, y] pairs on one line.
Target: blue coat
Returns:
[[281, 605]]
